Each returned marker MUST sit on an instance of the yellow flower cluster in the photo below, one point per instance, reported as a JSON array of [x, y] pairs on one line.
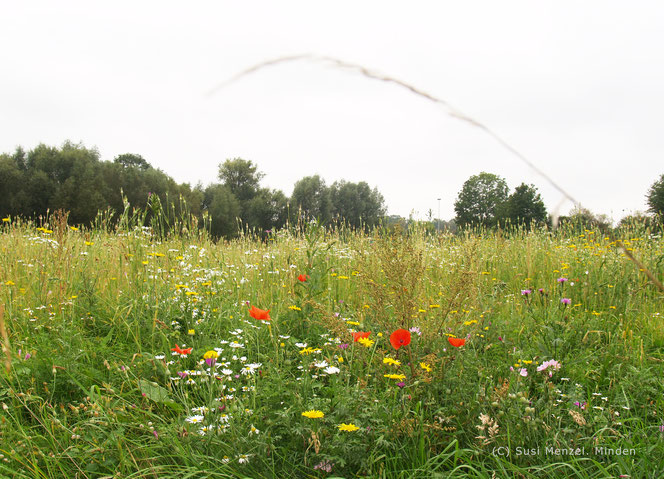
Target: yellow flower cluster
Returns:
[[309, 350]]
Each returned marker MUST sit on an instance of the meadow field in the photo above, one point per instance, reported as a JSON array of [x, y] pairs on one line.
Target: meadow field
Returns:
[[314, 353]]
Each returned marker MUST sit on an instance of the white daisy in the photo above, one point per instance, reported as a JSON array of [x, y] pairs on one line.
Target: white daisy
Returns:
[[198, 418]]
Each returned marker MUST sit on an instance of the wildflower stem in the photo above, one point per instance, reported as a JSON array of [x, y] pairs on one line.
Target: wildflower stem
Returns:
[[412, 363], [6, 349]]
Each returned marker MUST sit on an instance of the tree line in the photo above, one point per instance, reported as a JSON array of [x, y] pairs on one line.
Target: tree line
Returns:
[[73, 178], [485, 201]]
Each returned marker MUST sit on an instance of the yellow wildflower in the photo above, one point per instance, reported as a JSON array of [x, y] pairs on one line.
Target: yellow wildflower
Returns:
[[212, 354], [366, 342], [313, 414], [347, 427]]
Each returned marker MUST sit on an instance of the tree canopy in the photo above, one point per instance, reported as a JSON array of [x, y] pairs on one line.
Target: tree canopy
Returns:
[[241, 177], [655, 197], [312, 196], [484, 200], [480, 200], [525, 206], [357, 204]]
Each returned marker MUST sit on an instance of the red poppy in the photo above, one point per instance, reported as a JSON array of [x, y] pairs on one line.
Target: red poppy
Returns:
[[303, 277], [400, 337], [259, 314], [360, 335], [456, 342], [181, 351]]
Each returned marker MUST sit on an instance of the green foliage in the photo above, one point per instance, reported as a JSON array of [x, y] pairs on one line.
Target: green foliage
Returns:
[[131, 160], [655, 197], [480, 201], [525, 206], [357, 204], [224, 210], [312, 196], [268, 210], [12, 186], [241, 177]]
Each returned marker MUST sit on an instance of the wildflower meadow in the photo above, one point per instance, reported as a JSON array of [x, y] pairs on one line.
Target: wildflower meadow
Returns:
[[313, 352]]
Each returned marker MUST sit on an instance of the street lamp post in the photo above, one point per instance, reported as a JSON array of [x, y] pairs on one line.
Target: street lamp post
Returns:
[[438, 215]]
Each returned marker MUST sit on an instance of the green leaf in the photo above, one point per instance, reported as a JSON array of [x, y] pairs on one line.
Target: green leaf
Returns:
[[154, 391]]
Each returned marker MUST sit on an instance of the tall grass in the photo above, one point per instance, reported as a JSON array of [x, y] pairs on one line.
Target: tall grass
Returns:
[[94, 390]]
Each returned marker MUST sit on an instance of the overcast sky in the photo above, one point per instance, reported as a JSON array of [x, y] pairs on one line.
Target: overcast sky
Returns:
[[576, 87]]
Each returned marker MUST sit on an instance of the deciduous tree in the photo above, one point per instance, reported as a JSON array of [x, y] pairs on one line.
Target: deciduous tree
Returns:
[[525, 206], [480, 200]]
